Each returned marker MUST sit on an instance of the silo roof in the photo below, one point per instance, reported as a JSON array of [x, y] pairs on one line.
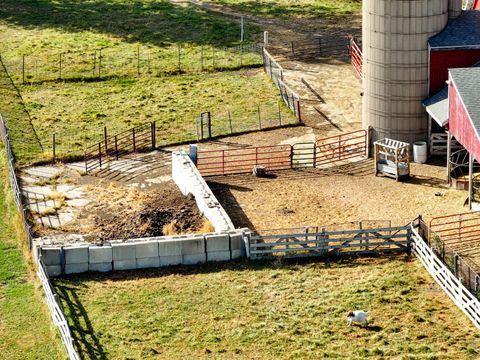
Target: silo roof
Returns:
[[463, 31], [467, 82], [437, 106]]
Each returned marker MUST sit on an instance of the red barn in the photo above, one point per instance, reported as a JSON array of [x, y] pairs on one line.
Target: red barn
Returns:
[[457, 46]]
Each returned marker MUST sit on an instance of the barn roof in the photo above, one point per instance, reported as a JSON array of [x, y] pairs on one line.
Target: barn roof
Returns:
[[467, 82], [463, 31]]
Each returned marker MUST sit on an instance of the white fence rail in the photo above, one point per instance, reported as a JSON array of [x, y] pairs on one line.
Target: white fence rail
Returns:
[[464, 299], [56, 312]]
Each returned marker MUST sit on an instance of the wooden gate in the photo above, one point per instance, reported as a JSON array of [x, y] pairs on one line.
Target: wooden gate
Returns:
[[325, 242]]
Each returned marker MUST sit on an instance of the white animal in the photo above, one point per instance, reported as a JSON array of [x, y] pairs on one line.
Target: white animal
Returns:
[[357, 316]]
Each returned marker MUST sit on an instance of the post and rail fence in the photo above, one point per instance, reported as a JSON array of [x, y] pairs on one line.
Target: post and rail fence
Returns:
[[56, 311], [325, 242]]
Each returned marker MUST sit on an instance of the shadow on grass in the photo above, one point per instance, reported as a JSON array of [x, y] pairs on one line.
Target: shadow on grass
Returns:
[[324, 262], [79, 322], [152, 22]]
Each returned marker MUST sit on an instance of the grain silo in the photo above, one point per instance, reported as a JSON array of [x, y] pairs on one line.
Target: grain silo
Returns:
[[395, 64]]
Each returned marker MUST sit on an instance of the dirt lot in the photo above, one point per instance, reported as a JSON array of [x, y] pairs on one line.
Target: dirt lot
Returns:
[[133, 197], [343, 194]]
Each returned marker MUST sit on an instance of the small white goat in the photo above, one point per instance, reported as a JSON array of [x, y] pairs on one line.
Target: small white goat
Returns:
[[358, 316]]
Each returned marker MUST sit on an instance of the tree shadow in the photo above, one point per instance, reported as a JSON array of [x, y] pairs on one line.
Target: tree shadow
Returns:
[[157, 23], [88, 344]]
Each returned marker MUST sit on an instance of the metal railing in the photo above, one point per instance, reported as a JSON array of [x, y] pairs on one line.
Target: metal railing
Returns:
[[325, 152], [356, 56]]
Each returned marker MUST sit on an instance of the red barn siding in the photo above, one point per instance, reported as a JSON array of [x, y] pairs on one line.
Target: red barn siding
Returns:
[[459, 123], [442, 60]]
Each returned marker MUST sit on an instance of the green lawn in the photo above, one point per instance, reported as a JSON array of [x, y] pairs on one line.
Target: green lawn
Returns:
[[295, 8], [26, 329], [136, 35], [260, 310], [78, 111]]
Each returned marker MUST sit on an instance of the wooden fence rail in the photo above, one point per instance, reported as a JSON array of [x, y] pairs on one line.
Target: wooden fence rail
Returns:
[[325, 242]]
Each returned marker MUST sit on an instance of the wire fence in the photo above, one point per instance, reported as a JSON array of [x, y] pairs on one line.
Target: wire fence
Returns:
[[275, 71], [230, 122], [114, 62]]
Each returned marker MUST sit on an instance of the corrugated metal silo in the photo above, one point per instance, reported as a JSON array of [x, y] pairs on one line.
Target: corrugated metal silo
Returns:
[[395, 65]]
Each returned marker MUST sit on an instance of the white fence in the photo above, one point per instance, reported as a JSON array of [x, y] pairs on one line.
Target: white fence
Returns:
[[464, 299], [56, 311]]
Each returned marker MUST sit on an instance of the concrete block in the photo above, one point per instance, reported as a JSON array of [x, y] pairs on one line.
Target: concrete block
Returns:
[[76, 268], [218, 256], [169, 247], [146, 249], [124, 251], [100, 267], [125, 264], [193, 246], [51, 256], [53, 270], [218, 242], [76, 254], [148, 262], [237, 254], [170, 260], [236, 241], [100, 254], [192, 259]]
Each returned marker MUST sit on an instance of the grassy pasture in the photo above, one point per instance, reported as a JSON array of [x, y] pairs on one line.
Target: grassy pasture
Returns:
[[267, 311], [78, 111], [294, 8], [132, 34], [26, 328]]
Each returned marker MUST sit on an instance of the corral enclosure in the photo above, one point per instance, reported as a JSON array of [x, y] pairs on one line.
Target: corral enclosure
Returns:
[[271, 310]]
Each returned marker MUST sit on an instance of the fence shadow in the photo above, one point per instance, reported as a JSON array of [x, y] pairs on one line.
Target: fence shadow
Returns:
[[135, 165], [361, 167], [88, 344]]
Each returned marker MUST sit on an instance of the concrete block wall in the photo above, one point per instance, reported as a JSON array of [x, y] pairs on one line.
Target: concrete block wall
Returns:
[[190, 181], [144, 253]]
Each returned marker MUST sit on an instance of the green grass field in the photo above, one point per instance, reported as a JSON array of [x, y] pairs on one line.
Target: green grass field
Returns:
[[248, 310], [78, 109], [77, 112], [26, 329], [295, 8]]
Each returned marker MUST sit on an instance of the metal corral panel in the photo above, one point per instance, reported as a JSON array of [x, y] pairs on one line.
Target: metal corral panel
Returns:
[[395, 65]]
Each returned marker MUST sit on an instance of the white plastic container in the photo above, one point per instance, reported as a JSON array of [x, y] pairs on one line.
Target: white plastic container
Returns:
[[420, 152]]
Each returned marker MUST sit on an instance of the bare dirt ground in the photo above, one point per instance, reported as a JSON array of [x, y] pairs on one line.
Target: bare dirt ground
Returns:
[[131, 198], [343, 194]]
